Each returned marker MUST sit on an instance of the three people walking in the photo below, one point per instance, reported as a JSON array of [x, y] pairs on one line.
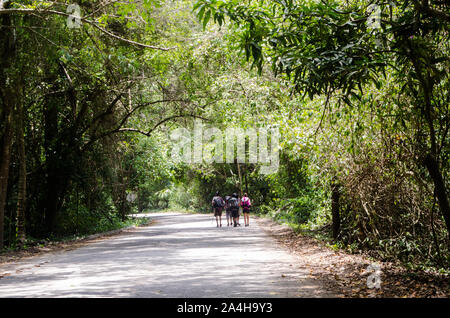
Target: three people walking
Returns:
[[231, 205]]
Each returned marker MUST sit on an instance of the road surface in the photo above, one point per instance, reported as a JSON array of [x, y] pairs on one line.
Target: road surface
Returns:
[[179, 256]]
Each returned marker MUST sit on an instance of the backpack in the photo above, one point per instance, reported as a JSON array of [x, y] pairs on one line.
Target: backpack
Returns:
[[233, 202], [246, 203], [227, 199], [218, 202]]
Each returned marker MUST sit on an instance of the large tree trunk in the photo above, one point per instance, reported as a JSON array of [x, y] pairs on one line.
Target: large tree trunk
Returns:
[[432, 164], [7, 53], [5, 156], [430, 161], [245, 179], [119, 193], [336, 220], [22, 187], [441, 193], [240, 179], [52, 152]]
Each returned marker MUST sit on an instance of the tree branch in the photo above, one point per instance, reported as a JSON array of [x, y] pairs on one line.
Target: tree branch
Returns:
[[120, 129], [94, 24]]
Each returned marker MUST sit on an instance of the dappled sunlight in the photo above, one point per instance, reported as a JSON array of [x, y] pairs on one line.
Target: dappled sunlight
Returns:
[[180, 256]]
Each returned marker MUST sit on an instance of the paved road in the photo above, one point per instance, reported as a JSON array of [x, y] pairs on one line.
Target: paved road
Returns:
[[182, 255]]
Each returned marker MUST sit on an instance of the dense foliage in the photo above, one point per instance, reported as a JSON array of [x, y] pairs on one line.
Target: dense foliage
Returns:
[[76, 98]]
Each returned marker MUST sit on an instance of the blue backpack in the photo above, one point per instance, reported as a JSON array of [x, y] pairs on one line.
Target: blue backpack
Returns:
[[218, 202], [233, 202]]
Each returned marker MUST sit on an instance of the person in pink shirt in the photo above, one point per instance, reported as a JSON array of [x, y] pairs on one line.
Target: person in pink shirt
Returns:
[[246, 204]]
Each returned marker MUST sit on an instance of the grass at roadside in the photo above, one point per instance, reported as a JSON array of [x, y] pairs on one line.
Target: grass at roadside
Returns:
[[323, 235]]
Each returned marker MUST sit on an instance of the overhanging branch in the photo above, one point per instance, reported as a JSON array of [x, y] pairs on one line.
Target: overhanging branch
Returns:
[[148, 133], [4, 11]]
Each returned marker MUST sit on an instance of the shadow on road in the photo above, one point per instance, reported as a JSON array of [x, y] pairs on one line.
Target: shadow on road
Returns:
[[181, 255]]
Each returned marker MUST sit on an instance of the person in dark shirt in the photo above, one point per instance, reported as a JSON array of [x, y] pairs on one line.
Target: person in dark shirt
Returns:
[[234, 207], [218, 203], [228, 211]]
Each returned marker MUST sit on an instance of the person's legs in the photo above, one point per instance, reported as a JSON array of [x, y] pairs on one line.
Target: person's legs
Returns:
[[247, 218], [217, 215], [235, 217]]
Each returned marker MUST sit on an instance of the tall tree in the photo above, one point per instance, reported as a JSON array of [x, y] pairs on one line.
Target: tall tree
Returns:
[[7, 103], [22, 183]]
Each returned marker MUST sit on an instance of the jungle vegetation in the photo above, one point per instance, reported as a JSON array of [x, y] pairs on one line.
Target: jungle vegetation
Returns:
[[358, 89]]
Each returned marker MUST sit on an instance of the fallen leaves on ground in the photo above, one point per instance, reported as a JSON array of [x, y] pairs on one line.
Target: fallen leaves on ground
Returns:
[[347, 274]]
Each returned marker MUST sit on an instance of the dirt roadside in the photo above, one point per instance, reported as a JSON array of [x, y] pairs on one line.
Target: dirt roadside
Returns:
[[349, 274]]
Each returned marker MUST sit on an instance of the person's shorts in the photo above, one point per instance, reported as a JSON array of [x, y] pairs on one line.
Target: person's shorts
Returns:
[[246, 210], [217, 211], [235, 213], [228, 211]]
